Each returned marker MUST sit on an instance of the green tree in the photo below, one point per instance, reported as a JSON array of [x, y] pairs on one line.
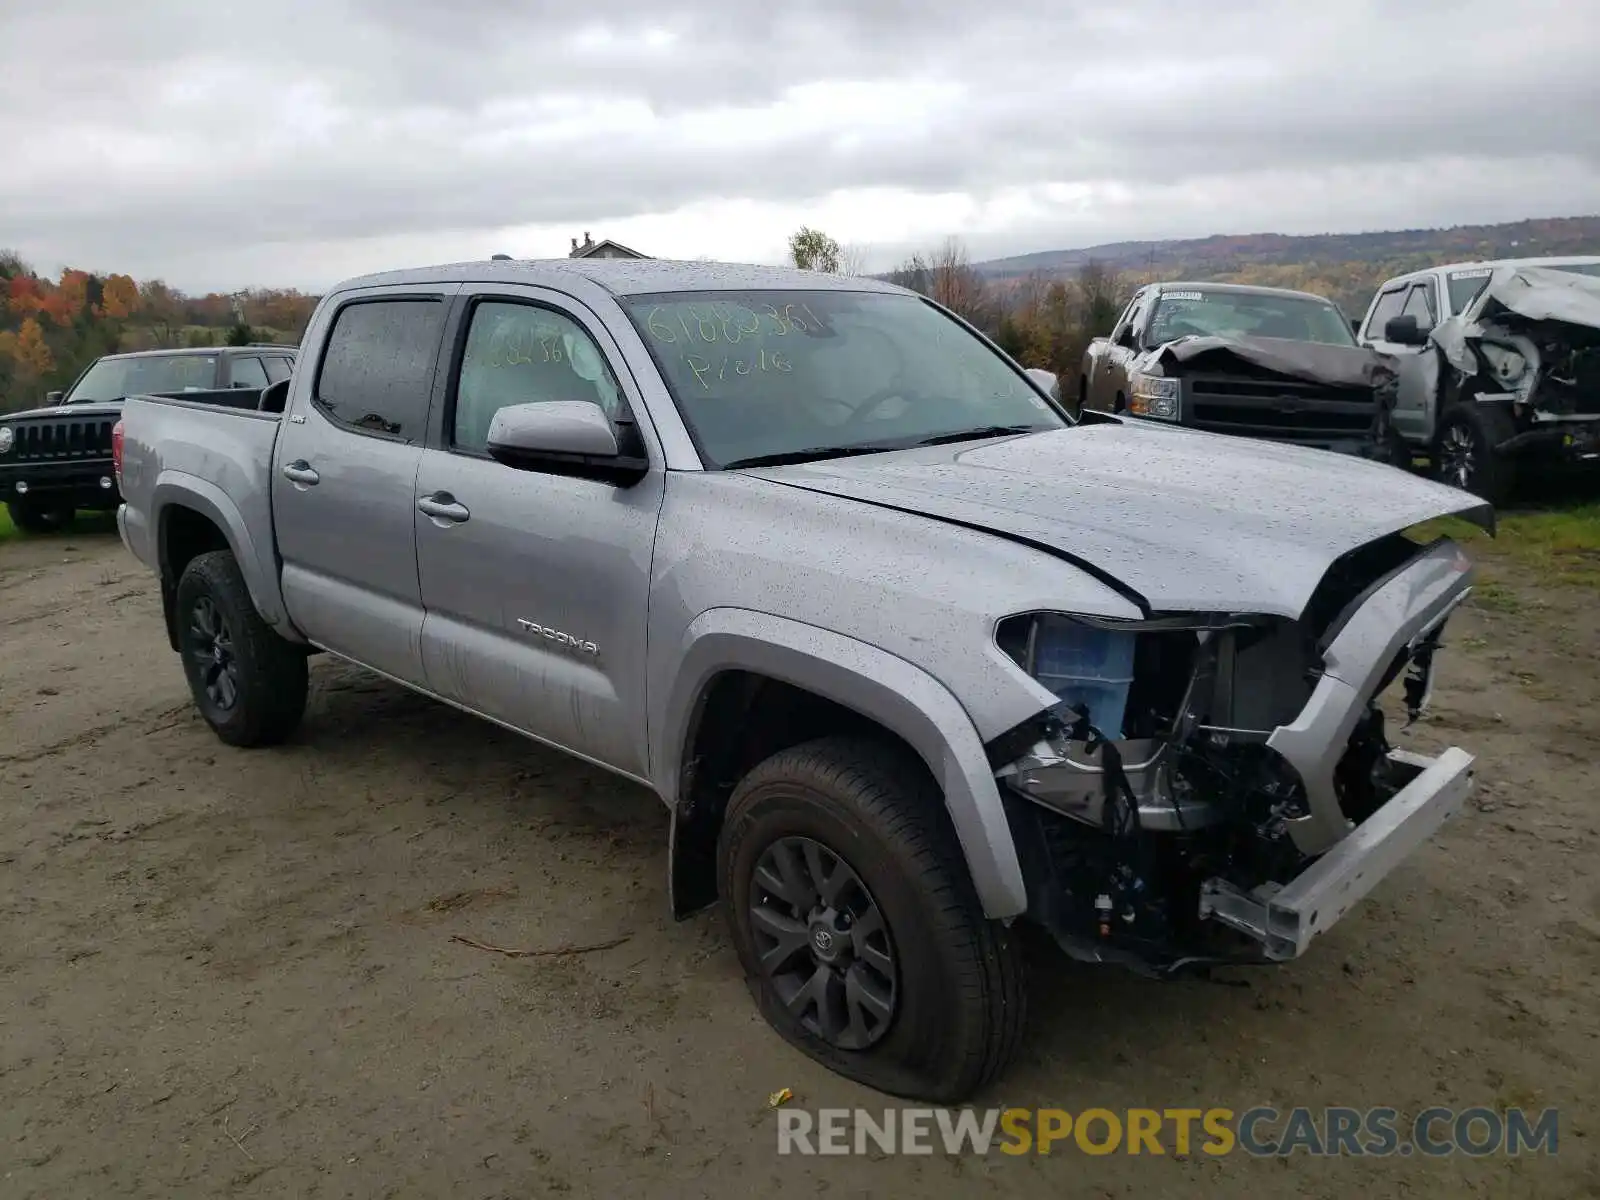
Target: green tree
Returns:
[[812, 250], [240, 335]]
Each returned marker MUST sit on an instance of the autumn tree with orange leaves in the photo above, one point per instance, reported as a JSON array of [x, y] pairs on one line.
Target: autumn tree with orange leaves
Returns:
[[51, 329]]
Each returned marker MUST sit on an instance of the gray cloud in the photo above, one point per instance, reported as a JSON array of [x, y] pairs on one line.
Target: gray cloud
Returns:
[[175, 139]]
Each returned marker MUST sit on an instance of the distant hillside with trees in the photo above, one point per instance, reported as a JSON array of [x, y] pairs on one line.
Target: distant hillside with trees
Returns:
[[50, 329], [1044, 308], [1346, 267]]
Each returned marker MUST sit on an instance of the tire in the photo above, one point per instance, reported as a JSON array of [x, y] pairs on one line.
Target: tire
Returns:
[[37, 518], [248, 683], [1397, 453], [1463, 453], [955, 980]]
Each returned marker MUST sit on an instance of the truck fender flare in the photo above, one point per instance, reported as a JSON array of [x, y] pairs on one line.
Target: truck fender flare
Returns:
[[883, 687], [183, 490]]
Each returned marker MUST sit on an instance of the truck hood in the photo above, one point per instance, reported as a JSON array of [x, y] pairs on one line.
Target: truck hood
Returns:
[[1176, 520], [110, 408], [1315, 362]]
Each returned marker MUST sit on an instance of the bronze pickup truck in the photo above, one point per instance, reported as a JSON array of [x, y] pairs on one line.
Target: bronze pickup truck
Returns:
[[1253, 361]]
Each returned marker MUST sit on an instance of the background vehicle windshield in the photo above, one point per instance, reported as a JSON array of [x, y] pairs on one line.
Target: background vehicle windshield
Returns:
[[114, 378], [1234, 314], [758, 373]]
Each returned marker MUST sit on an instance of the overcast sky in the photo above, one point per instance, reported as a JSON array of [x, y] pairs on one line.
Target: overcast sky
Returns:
[[315, 139]]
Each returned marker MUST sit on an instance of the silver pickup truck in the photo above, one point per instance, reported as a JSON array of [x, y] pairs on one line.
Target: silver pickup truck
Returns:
[[1499, 368], [909, 653]]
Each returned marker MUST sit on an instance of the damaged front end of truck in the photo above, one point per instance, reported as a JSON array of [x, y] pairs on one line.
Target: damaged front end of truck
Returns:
[[1529, 344], [1221, 788], [1312, 394]]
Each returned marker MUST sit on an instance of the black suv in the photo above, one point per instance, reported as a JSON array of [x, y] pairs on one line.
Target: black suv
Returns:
[[57, 459]]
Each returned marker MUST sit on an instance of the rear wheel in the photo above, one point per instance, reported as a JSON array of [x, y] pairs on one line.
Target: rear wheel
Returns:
[[249, 684], [30, 516], [857, 926]]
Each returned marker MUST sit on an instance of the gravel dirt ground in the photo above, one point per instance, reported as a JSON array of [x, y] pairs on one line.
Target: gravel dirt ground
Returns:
[[232, 973]]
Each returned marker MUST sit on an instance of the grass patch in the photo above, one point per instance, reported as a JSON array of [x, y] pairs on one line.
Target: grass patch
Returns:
[[1496, 597], [85, 523], [1560, 545]]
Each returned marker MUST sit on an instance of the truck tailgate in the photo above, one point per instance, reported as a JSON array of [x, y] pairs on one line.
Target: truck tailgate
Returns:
[[206, 457]]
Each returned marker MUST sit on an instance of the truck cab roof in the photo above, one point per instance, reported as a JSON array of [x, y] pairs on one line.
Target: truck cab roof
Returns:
[[621, 277]]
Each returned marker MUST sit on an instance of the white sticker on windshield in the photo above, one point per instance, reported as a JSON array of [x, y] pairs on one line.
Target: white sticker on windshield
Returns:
[[1182, 296]]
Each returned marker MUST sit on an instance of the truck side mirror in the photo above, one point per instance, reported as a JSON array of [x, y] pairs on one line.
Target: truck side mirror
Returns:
[[562, 437], [53, 398], [1125, 338], [1404, 331]]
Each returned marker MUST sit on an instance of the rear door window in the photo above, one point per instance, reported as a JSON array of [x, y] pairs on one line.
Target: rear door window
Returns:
[[377, 370]]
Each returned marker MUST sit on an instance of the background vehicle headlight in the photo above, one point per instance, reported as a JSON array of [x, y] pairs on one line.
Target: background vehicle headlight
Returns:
[[7, 437], [1154, 396]]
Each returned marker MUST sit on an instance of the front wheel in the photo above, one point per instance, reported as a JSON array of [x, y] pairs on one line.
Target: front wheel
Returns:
[[1464, 454], [249, 684], [857, 926], [32, 517]]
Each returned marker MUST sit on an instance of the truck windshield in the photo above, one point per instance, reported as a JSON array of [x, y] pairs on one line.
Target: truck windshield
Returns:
[[773, 376], [114, 378], [1201, 313]]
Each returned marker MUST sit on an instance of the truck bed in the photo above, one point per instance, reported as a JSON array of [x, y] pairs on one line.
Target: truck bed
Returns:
[[221, 454]]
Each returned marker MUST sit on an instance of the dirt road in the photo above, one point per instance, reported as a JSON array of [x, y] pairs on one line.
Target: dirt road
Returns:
[[232, 973]]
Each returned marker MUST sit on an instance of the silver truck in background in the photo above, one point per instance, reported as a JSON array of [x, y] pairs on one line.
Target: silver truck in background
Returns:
[[909, 653], [1499, 367]]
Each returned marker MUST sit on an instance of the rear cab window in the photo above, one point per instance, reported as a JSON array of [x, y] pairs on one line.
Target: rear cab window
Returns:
[[248, 373], [376, 375]]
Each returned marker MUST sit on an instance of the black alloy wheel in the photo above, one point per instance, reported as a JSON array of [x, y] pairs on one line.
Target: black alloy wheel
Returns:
[[248, 683], [1458, 456], [210, 645], [823, 942]]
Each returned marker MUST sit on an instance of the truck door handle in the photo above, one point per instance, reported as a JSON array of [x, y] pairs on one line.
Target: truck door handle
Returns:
[[443, 508], [300, 472]]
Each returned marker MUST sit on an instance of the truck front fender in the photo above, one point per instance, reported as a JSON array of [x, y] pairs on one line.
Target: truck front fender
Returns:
[[257, 560], [901, 697]]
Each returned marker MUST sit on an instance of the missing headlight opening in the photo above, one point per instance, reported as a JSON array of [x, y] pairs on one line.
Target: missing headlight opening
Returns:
[[1187, 772]]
